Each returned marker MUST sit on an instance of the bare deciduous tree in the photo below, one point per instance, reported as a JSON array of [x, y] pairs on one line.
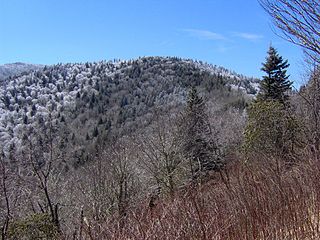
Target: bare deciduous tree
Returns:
[[160, 154], [108, 184], [310, 111], [4, 197], [298, 21], [44, 170], [124, 180]]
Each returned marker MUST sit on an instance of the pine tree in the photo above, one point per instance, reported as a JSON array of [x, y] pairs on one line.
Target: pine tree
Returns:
[[272, 129], [275, 84], [198, 146]]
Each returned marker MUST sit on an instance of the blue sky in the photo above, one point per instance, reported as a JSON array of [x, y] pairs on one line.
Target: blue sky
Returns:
[[232, 33]]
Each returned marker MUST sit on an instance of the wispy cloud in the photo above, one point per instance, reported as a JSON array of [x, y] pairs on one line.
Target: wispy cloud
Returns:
[[209, 35], [222, 49], [248, 36], [204, 34]]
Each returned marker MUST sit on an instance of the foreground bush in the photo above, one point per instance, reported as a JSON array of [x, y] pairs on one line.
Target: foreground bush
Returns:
[[251, 201]]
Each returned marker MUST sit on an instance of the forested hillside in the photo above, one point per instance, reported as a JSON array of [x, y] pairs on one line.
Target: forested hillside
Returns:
[[90, 102]]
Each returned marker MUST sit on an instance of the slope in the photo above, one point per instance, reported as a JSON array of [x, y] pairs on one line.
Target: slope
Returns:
[[82, 104]]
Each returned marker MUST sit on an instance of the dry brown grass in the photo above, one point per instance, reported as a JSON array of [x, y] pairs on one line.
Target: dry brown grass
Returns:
[[265, 200]]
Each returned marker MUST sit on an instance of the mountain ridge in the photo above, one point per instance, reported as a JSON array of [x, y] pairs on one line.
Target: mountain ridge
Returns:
[[89, 102], [11, 69]]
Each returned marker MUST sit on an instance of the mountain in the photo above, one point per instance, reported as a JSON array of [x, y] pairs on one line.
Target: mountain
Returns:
[[82, 104], [12, 69]]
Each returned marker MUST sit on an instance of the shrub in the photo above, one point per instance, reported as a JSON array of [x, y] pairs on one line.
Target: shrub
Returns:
[[36, 226], [272, 130]]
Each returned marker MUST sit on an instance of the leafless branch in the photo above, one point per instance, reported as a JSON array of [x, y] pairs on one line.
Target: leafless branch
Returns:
[[298, 22]]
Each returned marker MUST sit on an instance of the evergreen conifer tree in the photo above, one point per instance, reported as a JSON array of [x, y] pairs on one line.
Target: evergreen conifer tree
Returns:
[[275, 83], [272, 128], [198, 145]]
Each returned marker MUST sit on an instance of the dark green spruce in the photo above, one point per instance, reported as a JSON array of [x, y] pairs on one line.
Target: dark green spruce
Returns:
[[198, 142], [275, 84]]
